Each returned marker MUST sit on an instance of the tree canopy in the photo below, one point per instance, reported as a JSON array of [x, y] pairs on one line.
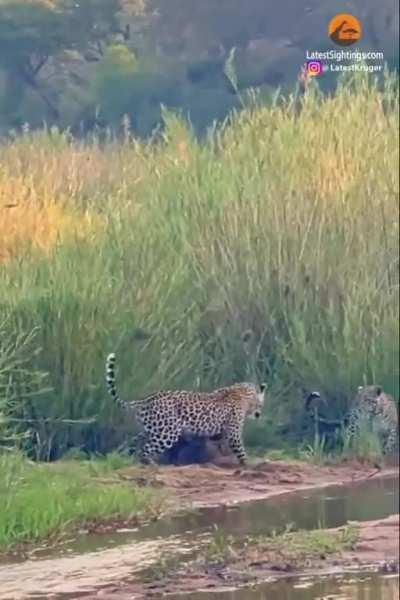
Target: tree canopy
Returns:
[[33, 31]]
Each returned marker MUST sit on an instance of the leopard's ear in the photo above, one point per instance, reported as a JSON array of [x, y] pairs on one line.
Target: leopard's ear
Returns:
[[379, 390], [263, 387]]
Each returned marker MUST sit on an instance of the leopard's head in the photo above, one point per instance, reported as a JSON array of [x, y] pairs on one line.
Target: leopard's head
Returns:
[[367, 395], [246, 396], [255, 396]]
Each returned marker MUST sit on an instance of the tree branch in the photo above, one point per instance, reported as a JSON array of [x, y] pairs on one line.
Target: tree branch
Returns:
[[41, 62], [27, 75]]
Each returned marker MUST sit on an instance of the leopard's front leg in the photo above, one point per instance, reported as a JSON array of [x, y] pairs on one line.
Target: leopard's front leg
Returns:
[[234, 437], [352, 424], [157, 443], [390, 441]]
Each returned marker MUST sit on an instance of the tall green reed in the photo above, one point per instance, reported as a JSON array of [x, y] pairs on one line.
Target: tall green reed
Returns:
[[281, 229]]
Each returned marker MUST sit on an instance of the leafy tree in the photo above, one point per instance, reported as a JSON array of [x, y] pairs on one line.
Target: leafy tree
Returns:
[[34, 31], [113, 81]]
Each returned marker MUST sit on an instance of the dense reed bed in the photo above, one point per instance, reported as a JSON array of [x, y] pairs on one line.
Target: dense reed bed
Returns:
[[268, 251]]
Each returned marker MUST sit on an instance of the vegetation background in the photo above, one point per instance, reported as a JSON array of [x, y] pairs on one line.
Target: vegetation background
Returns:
[[85, 65], [265, 249]]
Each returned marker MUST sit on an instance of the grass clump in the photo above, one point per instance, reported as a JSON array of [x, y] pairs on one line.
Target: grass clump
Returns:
[[302, 545], [237, 557], [291, 547], [268, 251], [42, 500]]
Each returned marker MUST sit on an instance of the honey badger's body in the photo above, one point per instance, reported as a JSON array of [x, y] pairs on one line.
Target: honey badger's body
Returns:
[[167, 415]]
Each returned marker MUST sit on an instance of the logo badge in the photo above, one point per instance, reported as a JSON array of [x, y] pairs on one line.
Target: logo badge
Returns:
[[315, 68], [345, 30]]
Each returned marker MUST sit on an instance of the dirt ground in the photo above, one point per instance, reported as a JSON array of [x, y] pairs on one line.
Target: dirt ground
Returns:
[[201, 486], [378, 543], [115, 572]]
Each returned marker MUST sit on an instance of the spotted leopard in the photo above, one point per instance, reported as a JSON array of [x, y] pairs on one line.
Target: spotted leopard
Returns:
[[373, 404], [167, 415]]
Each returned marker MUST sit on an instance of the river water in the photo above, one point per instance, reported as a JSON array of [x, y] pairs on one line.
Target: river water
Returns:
[[366, 586]]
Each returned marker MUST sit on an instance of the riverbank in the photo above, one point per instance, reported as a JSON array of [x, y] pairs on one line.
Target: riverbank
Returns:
[[41, 503], [372, 545], [198, 486], [47, 502], [102, 558]]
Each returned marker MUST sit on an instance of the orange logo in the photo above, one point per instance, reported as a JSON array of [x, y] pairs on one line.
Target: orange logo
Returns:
[[345, 30]]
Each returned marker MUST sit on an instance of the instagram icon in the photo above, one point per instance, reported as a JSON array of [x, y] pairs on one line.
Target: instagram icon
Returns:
[[315, 68]]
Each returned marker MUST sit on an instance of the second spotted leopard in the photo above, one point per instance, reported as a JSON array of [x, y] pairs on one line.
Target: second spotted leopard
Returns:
[[371, 403]]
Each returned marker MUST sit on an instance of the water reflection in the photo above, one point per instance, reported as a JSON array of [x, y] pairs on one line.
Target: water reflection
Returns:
[[329, 507], [351, 587]]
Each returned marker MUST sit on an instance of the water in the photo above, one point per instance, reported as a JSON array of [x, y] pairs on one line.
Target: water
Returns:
[[367, 586], [329, 507]]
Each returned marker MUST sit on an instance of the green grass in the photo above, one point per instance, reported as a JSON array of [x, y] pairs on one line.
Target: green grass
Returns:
[[366, 443], [299, 546], [295, 547], [41, 500], [291, 549], [268, 251]]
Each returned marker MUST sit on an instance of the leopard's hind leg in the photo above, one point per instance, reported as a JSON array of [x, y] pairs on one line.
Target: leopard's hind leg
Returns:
[[158, 442]]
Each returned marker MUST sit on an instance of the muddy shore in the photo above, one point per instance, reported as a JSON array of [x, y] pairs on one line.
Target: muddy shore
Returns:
[[116, 572], [376, 548], [205, 486]]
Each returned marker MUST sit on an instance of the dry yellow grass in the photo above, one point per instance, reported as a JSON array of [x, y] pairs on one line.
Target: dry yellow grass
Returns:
[[32, 217]]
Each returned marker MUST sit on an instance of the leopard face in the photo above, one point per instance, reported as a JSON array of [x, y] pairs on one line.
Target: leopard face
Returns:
[[367, 397], [250, 397]]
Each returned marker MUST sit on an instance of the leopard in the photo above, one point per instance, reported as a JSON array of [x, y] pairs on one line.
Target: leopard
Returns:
[[166, 416], [372, 403]]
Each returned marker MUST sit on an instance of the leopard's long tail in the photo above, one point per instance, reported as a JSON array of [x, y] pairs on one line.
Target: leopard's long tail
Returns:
[[111, 381]]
